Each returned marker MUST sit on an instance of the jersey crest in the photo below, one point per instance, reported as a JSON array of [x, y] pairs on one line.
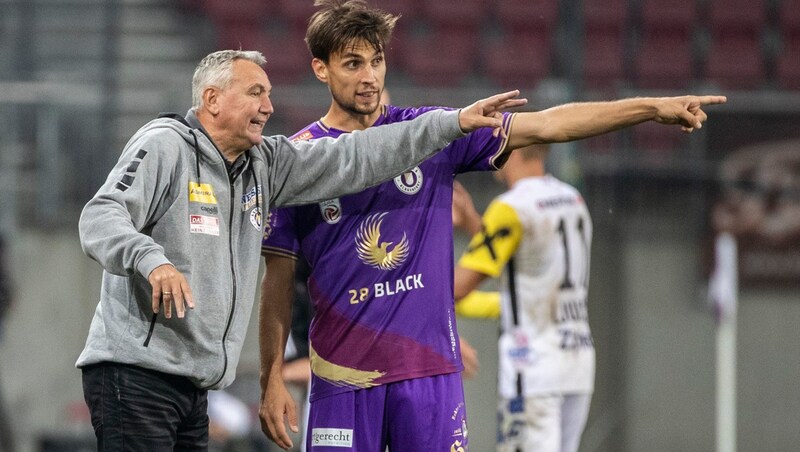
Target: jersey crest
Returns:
[[331, 210], [409, 182], [375, 253]]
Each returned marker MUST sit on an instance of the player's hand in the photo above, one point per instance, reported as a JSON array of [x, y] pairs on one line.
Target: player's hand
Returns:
[[488, 112], [170, 286], [686, 111], [469, 356], [277, 408]]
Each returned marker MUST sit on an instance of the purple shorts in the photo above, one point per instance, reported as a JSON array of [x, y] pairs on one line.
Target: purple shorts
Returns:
[[418, 415]]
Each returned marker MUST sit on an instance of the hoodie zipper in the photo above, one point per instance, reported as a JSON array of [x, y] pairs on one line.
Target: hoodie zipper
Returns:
[[231, 185]]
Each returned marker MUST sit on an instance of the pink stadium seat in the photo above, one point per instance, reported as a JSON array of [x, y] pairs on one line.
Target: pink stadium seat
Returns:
[[408, 9], [604, 42], [462, 14], [735, 62], [297, 116], [737, 15], [519, 60], [530, 15], [238, 12], [664, 58], [442, 58], [605, 13], [296, 12], [602, 144], [734, 59], [787, 68], [654, 138], [789, 17], [663, 62], [288, 58], [787, 65], [604, 58], [673, 15]]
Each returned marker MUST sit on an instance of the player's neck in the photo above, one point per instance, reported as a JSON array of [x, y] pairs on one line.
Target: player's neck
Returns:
[[338, 118], [524, 171]]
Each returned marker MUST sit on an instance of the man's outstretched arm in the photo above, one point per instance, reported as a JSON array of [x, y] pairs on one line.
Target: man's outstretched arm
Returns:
[[580, 120]]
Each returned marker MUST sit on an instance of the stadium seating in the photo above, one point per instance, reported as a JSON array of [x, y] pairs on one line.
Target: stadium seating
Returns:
[[454, 14], [526, 16], [288, 58], [518, 59], [296, 12], [408, 9], [734, 58], [604, 42], [657, 139], [787, 65], [439, 58], [664, 56]]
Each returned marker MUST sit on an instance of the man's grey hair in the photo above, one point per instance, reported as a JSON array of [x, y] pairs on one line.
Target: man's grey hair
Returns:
[[215, 70]]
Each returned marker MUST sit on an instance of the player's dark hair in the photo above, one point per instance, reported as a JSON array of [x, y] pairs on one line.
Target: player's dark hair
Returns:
[[342, 23]]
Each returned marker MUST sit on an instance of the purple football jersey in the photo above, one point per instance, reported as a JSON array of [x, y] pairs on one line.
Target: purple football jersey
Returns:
[[382, 266]]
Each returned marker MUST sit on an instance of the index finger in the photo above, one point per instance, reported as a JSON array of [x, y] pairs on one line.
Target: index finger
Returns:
[[712, 100], [503, 96]]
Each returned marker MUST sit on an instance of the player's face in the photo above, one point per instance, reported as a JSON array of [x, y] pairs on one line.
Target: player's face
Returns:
[[355, 78], [245, 106]]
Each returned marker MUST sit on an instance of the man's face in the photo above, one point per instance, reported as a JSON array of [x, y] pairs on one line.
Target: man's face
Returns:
[[245, 107], [355, 78]]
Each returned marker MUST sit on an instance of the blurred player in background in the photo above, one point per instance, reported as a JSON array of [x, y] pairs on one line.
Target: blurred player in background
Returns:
[[384, 347], [538, 234]]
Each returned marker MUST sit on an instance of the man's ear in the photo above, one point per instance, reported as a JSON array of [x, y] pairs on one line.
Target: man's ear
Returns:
[[320, 70], [211, 100]]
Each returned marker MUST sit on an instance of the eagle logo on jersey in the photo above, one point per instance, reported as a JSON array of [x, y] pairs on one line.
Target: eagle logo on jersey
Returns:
[[409, 182], [375, 253]]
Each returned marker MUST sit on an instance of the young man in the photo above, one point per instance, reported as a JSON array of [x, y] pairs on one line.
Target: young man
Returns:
[[384, 347], [538, 234], [178, 223]]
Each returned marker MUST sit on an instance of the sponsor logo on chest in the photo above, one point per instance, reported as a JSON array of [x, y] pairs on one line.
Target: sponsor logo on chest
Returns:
[[203, 224]]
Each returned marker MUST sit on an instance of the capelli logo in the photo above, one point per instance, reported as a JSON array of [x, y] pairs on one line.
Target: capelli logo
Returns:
[[332, 437]]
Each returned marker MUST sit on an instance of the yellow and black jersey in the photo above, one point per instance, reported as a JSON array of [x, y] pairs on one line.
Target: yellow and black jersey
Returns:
[[537, 237]]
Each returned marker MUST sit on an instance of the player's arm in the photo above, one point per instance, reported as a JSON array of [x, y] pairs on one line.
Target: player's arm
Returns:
[[300, 173], [478, 304], [274, 323], [486, 256], [466, 281], [579, 120], [465, 216]]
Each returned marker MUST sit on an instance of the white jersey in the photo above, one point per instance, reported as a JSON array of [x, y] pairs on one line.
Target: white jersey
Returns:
[[538, 235]]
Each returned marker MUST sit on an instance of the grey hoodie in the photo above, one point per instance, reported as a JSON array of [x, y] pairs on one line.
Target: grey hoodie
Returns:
[[171, 200]]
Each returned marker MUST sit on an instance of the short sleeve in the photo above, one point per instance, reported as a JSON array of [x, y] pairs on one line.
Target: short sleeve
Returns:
[[280, 237]]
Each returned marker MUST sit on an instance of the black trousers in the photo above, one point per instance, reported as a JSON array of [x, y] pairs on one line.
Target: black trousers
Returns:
[[136, 409]]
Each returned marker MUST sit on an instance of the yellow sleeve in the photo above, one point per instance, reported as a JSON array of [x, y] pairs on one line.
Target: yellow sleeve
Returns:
[[479, 305], [489, 250]]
